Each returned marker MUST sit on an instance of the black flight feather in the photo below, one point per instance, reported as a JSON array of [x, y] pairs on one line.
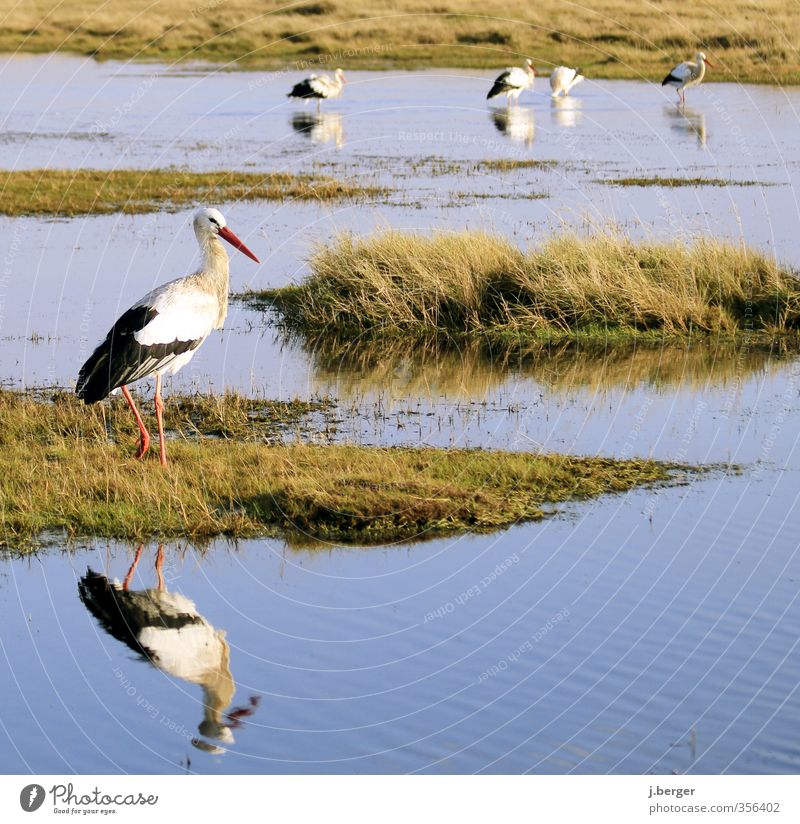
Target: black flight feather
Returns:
[[124, 614], [500, 86], [121, 359], [304, 89]]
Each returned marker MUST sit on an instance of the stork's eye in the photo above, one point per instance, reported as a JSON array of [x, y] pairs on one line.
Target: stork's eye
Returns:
[[214, 221]]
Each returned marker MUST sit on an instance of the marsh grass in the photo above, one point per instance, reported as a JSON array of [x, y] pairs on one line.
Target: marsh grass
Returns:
[[61, 474], [607, 38], [439, 166], [229, 416], [675, 182], [507, 165], [601, 286], [134, 191]]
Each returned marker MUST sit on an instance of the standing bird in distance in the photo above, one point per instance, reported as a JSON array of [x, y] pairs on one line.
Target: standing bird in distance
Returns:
[[686, 75], [160, 333], [320, 87], [513, 81], [563, 79]]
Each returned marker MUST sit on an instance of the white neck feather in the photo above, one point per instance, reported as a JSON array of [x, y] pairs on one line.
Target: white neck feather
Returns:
[[214, 275]]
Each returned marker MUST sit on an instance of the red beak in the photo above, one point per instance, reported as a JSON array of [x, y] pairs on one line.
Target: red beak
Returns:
[[709, 63], [226, 234]]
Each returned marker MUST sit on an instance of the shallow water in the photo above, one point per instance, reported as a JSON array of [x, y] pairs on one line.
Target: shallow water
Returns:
[[654, 631]]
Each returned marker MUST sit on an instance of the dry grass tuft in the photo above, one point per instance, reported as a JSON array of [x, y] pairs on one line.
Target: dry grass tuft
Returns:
[[132, 191], [505, 165], [478, 285], [607, 38], [62, 475], [676, 182]]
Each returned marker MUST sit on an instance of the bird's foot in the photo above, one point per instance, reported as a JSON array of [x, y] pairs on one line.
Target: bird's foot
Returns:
[[144, 445]]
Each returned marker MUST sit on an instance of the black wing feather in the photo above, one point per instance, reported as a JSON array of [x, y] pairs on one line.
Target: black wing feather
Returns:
[[304, 89], [670, 78], [121, 359], [500, 86], [125, 614]]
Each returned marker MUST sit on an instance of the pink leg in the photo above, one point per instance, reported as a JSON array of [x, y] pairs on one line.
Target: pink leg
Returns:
[[144, 435], [160, 567], [160, 420], [129, 577]]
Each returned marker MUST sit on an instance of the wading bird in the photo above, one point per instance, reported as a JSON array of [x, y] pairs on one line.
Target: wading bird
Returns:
[[513, 81], [686, 75], [319, 87], [160, 333], [563, 79]]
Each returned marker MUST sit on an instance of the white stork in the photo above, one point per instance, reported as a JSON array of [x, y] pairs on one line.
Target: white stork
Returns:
[[563, 79], [513, 81], [319, 87], [686, 75], [160, 333]]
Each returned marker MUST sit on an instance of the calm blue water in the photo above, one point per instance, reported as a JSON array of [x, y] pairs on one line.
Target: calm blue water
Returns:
[[650, 632]]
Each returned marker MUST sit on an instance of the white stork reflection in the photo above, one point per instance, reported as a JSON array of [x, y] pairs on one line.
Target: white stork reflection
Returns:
[[322, 127], [687, 121], [566, 111], [167, 630], [516, 123]]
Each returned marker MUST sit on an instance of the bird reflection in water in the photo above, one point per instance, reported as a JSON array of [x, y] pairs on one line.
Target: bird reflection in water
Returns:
[[166, 629], [687, 121], [322, 127], [566, 111], [516, 123]]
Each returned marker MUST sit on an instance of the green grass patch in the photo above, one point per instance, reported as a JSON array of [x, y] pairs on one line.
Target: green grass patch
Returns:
[[67, 470], [598, 287], [674, 182], [513, 165], [132, 191], [748, 42]]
